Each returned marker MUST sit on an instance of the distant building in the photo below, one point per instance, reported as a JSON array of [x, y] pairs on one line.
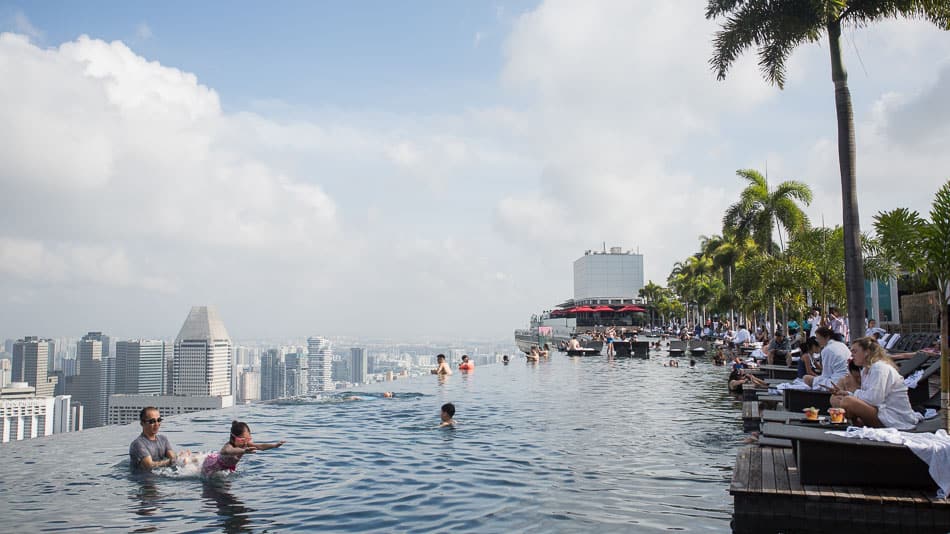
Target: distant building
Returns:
[[23, 415], [202, 361], [250, 386], [320, 363], [93, 386], [273, 375], [358, 365], [296, 370], [614, 277], [140, 367], [30, 364], [124, 409]]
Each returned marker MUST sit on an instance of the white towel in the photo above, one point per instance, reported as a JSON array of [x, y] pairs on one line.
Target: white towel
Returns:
[[933, 449], [798, 383], [911, 381]]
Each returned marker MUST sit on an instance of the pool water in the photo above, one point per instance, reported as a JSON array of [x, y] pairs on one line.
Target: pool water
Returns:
[[569, 444]]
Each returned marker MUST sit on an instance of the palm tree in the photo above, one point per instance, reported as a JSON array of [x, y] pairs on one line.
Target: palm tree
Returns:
[[761, 209], [776, 27], [652, 293], [920, 247]]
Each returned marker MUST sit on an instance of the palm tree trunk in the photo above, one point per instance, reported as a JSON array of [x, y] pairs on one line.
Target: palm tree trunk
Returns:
[[853, 264], [945, 358]]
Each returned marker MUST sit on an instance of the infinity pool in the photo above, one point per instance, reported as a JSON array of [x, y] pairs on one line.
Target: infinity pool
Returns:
[[567, 445]]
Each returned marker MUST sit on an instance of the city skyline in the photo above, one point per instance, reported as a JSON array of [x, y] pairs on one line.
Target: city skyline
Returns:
[[320, 165]]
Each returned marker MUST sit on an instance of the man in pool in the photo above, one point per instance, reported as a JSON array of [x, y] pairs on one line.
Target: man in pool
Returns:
[[441, 368], [150, 449], [448, 412]]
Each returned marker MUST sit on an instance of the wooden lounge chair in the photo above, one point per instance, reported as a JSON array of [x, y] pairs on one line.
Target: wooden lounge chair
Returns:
[[921, 393], [830, 460], [796, 400]]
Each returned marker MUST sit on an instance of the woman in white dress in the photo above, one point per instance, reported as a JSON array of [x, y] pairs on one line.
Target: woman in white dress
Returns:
[[882, 400]]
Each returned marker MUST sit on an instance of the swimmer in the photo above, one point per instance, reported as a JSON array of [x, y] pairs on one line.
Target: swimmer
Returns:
[[150, 449], [388, 394], [504, 359], [441, 368], [534, 355], [466, 365], [692, 363], [239, 444], [448, 412], [674, 363]]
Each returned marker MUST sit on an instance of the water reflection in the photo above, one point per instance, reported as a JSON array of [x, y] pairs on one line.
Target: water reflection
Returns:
[[234, 515], [146, 494]]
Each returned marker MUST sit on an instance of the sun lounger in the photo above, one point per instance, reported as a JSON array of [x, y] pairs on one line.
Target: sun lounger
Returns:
[[909, 366], [830, 460], [892, 341], [796, 400], [921, 393]]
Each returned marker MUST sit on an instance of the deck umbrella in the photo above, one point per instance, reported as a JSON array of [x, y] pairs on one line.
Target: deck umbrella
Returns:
[[604, 309], [632, 309], [584, 309]]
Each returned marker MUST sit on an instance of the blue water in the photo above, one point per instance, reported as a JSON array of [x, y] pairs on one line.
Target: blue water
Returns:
[[567, 445]]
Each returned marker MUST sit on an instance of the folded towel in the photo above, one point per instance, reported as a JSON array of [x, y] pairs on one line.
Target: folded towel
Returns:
[[798, 383], [930, 413], [933, 449]]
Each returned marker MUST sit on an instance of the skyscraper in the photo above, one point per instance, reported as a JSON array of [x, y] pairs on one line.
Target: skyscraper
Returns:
[[202, 364], [140, 367], [92, 386], [30, 364], [358, 365], [273, 375], [320, 362], [295, 365]]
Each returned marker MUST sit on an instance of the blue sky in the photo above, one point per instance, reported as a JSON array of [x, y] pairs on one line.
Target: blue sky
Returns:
[[305, 165]]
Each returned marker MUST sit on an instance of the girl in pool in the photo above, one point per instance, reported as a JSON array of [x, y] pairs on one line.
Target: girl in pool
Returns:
[[239, 444]]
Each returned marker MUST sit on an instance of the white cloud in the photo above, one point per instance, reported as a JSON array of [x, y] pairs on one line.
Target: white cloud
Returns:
[[22, 25]]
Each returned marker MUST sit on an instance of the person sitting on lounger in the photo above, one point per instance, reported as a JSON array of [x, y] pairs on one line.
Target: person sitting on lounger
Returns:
[[882, 399], [779, 347], [834, 360], [810, 362]]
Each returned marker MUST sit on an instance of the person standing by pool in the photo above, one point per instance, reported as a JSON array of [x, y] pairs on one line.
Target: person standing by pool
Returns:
[[448, 412], [441, 367], [150, 449]]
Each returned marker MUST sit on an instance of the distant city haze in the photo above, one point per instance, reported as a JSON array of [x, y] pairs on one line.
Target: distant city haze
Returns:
[[405, 171]]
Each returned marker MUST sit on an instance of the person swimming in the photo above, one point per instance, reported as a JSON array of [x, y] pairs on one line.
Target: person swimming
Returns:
[[239, 444], [467, 364], [441, 368], [448, 412]]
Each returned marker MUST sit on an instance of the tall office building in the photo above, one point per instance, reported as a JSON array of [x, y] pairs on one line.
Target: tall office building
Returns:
[[320, 363], [203, 358], [140, 367], [614, 277], [358, 365], [273, 375], [296, 369], [92, 385], [30, 364]]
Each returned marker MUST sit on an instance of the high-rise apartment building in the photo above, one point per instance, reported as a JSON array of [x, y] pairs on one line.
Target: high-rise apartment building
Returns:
[[273, 375], [140, 367], [30, 364], [203, 360], [320, 363], [358, 365], [94, 385], [296, 370]]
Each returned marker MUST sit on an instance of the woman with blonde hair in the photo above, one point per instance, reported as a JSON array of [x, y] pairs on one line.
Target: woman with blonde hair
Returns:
[[881, 401]]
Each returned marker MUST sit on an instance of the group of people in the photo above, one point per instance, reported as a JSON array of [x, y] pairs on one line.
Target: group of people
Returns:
[[151, 449], [863, 379], [442, 367]]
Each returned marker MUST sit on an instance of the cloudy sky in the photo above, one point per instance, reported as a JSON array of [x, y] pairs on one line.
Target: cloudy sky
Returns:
[[412, 170]]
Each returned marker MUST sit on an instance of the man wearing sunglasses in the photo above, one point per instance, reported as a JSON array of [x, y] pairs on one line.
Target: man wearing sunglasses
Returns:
[[150, 450]]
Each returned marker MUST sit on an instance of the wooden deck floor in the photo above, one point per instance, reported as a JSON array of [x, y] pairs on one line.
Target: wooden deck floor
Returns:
[[769, 497]]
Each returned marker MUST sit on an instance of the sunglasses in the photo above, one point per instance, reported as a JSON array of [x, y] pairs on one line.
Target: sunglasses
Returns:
[[152, 421]]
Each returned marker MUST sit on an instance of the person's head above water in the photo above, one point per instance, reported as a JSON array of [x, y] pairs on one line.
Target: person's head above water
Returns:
[[440, 358], [151, 421], [240, 434], [465, 357], [388, 394], [448, 411]]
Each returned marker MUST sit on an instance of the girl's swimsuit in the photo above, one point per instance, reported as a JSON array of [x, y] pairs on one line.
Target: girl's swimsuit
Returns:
[[219, 462]]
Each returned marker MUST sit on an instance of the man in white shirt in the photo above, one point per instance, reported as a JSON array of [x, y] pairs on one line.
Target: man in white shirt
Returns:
[[815, 320], [834, 361], [743, 336]]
